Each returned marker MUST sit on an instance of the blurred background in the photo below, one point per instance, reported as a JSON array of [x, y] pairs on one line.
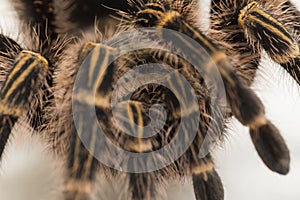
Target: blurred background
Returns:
[[243, 173]]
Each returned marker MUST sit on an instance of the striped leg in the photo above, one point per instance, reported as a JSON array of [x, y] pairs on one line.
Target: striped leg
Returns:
[[245, 105], [288, 8], [224, 28], [250, 26], [85, 141], [21, 86], [272, 35], [42, 35], [82, 168], [206, 181]]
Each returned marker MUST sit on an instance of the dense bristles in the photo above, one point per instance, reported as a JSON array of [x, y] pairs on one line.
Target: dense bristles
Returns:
[[238, 94], [188, 9], [293, 68], [142, 55], [28, 73], [244, 103], [262, 28], [9, 50], [226, 33], [286, 12], [19, 89], [289, 15], [66, 81], [249, 26]]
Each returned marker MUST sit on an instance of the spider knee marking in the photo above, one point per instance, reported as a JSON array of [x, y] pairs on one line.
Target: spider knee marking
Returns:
[[167, 18], [27, 63], [258, 122], [82, 187], [261, 26], [38, 56], [151, 11], [156, 6], [243, 12], [85, 50], [203, 169], [10, 110], [86, 97], [139, 146]]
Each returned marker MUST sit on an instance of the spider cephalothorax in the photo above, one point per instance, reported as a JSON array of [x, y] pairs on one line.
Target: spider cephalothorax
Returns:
[[66, 84]]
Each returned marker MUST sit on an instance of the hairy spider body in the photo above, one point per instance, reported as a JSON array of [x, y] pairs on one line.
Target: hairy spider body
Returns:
[[44, 81]]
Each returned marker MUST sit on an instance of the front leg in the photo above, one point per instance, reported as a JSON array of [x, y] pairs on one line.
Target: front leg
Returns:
[[22, 84]]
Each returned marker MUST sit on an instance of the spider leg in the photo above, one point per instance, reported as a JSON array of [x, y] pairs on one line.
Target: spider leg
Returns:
[[143, 186], [22, 83], [41, 34], [245, 104], [224, 28], [288, 8], [97, 79], [206, 181], [261, 27], [82, 167], [85, 141]]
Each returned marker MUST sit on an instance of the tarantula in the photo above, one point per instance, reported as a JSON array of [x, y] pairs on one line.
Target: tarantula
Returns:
[[40, 86]]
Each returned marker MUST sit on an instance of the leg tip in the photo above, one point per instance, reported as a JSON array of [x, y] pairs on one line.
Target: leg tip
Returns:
[[208, 186], [271, 147]]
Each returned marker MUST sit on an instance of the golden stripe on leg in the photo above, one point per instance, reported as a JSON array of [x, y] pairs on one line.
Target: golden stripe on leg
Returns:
[[271, 34], [21, 85], [206, 181], [278, 42], [82, 165]]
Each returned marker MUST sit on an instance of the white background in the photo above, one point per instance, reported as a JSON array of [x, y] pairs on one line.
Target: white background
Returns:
[[243, 173]]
